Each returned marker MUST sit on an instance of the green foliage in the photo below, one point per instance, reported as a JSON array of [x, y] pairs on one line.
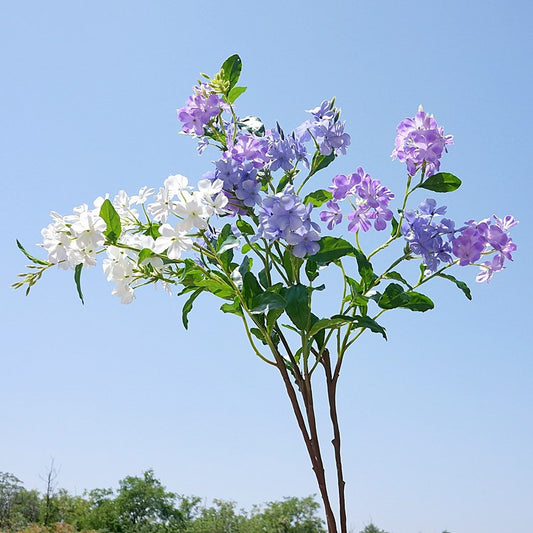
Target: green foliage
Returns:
[[441, 182], [371, 528], [10, 487], [143, 505], [77, 280], [112, 220]]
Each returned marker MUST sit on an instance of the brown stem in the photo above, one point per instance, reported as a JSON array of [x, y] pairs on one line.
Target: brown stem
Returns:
[[332, 393], [311, 441], [310, 412]]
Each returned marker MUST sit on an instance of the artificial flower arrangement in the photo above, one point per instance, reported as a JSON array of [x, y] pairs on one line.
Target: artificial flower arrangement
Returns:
[[254, 233]]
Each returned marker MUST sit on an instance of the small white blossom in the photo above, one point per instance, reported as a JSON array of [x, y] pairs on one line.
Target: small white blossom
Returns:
[[174, 240]]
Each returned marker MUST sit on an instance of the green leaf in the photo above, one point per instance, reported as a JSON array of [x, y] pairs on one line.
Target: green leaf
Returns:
[[311, 269], [217, 287], [232, 70], [320, 161], [326, 323], [256, 332], [245, 228], [331, 249], [271, 318], [297, 308], [291, 264], [365, 269], [419, 302], [112, 220], [153, 230], [396, 276], [460, 284], [250, 288], [145, 253], [364, 322], [77, 279], [394, 296], [394, 224], [318, 198], [267, 301], [30, 257], [187, 307], [283, 181], [235, 93], [230, 242], [234, 308], [371, 324], [441, 182]]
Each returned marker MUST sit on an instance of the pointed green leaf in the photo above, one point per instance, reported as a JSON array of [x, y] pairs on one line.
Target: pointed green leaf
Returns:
[[112, 220], [396, 276], [371, 324], [187, 307], [331, 249], [145, 253], [77, 279], [326, 323], [267, 301], [250, 288], [460, 284], [441, 182], [235, 93], [419, 302], [363, 322], [320, 161], [365, 269], [393, 296], [234, 308], [318, 198], [311, 269], [297, 308], [232, 70], [245, 228], [30, 257]]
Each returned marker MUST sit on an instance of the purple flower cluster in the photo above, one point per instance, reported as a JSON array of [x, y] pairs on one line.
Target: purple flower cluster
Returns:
[[200, 109], [420, 140], [238, 171], [325, 129], [371, 201], [285, 151], [426, 235], [284, 216], [480, 238]]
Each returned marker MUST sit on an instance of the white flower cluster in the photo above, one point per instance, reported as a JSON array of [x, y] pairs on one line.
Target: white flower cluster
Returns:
[[76, 239]]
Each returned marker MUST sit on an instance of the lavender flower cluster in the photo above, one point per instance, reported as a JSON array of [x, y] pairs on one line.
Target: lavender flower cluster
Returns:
[[483, 238], [436, 241], [201, 107], [284, 216], [249, 159], [427, 236], [420, 143], [368, 198]]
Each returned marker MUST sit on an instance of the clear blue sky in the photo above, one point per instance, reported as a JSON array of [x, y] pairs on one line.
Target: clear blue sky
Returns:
[[437, 422]]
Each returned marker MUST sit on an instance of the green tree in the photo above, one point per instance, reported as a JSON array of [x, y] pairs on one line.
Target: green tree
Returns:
[[371, 528], [291, 515], [26, 507], [222, 517], [10, 487], [144, 505]]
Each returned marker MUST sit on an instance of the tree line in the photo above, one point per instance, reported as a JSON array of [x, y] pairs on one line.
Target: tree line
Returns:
[[141, 504]]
